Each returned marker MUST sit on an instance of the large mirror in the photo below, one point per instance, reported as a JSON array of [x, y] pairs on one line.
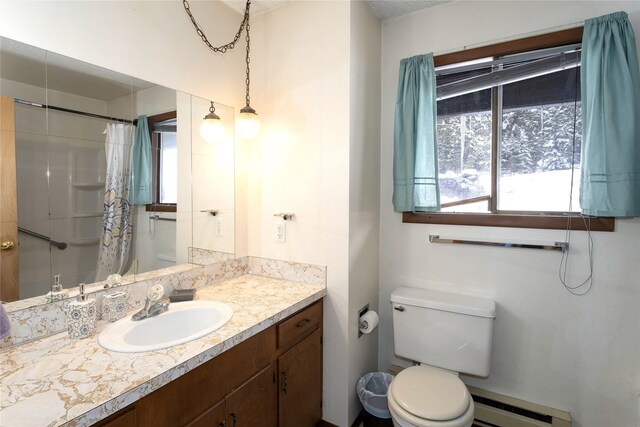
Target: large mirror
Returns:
[[111, 175]]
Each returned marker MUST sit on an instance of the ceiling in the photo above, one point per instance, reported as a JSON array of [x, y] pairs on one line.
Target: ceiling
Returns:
[[384, 9]]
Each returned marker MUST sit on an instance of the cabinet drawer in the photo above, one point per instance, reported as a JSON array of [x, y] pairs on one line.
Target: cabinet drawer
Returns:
[[299, 325], [124, 418]]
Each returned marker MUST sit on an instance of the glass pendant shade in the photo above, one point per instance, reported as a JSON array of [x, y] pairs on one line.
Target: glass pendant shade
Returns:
[[212, 128], [248, 123]]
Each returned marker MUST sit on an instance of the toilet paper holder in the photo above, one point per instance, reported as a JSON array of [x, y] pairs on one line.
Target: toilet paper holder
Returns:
[[362, 311], [367, 320]]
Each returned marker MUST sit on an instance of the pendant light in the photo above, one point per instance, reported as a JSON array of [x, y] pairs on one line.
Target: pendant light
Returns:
[[248, 122], [212, 129]]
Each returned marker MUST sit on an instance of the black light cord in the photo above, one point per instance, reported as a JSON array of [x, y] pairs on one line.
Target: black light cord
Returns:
[[577, 290]]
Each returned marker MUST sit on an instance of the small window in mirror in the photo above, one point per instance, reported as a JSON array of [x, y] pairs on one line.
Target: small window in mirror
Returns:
[[164, 147], [168, 171]]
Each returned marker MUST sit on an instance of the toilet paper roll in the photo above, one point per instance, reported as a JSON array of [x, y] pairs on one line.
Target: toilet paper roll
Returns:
[[369, 321]]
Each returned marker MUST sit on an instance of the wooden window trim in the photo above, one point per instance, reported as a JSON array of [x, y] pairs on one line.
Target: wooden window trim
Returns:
[[551, 222], [542, 41], [516, 220], [155, 162]]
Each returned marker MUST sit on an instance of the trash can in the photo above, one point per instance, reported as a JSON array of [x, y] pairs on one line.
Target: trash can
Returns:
[[372, 391]]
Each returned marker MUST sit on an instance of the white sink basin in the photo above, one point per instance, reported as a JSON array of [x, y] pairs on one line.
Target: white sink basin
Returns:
[[183, 322]]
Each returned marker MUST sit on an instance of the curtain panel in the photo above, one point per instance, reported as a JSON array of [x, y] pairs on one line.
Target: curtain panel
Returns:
[[142, 169], [415, 149], [610, 91], [116, 239]]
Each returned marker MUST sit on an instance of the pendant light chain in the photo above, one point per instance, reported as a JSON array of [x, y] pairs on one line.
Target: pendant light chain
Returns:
[[225, 47], [249, 123], [248, 59]]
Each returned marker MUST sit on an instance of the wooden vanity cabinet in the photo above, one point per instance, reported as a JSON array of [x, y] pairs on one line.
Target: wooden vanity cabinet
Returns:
[[253, 404], [272, 379], [300, 383], [300, 368], [213, 417], [250, 405]]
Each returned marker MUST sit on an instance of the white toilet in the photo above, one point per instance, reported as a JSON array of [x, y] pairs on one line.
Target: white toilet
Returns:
[[446, 333]]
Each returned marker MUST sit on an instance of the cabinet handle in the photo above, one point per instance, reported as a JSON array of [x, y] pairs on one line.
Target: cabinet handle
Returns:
[[284, 382], [303, 322], [234, 416]]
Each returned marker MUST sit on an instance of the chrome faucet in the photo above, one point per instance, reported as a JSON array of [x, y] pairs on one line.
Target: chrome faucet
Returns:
[[153, 306]]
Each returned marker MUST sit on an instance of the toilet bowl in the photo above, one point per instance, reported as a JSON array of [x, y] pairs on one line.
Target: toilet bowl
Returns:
[[425, 396]]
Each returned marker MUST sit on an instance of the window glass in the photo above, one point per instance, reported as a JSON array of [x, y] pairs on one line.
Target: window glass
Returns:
[[538, 152], [168, 168], [464, 147], [537, 115]]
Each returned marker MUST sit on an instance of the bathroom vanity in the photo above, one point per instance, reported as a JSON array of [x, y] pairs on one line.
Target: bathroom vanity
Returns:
[[263, 368], [273, 378]]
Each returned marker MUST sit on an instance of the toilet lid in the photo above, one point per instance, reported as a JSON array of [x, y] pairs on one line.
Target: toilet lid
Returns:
[[430, 393]]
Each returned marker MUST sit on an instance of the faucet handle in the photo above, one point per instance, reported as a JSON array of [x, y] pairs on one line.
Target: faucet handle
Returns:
[[113, 280], [155, 293]]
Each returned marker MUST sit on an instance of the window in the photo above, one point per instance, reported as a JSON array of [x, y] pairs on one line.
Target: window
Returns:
[[508, 126], [164, 162]]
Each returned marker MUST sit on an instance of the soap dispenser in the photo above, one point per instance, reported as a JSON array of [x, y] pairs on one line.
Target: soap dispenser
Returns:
[[57, 293], [81, 316]]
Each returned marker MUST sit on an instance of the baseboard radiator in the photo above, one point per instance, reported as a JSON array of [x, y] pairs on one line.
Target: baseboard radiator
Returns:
[[493, 409], [497, 410]]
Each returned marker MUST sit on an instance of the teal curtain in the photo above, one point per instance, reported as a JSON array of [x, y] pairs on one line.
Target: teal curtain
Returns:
[[415, 151], [141, 185], [610, 89]]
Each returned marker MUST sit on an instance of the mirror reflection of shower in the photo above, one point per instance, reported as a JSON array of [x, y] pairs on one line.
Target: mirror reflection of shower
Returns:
[[61, 110]]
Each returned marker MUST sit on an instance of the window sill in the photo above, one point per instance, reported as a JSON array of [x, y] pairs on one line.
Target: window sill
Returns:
[[551, 222], [157, 207]]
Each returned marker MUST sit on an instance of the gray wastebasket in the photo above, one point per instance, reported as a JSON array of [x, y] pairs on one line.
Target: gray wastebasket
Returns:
[[372, 390]]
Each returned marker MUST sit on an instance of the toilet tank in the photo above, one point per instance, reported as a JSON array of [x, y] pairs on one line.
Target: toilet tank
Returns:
[[443, 329]]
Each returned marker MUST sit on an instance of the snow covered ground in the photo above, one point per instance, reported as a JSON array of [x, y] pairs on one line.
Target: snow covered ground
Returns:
[[541, 191]]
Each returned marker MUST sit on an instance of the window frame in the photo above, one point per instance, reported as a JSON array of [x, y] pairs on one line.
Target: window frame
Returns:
[[543, 220], [156, 206]]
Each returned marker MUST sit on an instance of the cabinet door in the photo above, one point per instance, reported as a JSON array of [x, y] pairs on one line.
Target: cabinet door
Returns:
[[253, 404], [300, 383], [214, 417], [124, 418]]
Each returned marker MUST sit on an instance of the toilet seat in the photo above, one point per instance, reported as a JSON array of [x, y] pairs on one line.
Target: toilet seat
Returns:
[[425, 396]]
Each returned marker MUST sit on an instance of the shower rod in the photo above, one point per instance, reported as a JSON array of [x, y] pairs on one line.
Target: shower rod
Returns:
[[68, 110]]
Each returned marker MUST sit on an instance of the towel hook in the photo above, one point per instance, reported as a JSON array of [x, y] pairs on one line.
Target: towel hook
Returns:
[[287, 216]]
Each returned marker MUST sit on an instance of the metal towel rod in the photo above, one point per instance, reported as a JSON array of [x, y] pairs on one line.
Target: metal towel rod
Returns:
[[60, 245], [162, 218], [557, 246]]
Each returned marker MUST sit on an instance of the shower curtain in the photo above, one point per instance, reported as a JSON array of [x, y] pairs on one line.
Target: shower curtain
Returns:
[[117, 229]]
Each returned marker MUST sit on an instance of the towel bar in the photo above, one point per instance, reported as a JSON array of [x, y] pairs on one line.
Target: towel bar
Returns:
[[557, 246]]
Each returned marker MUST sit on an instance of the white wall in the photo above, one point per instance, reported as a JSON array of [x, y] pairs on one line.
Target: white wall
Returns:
[[364, 192], [579, 354], [150, 40], [300, 164]]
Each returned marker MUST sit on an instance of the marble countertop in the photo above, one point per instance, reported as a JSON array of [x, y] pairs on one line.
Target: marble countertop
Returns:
[[57, 381]]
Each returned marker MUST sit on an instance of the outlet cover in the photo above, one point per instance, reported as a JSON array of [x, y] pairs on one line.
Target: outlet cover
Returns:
[[281, 232]]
